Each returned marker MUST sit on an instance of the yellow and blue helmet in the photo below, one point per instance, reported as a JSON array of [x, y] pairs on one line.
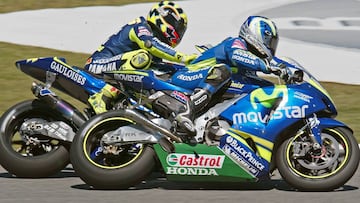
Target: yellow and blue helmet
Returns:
[[261, 35], [168, 21]]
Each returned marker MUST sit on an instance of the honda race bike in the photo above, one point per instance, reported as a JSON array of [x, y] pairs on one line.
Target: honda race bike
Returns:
[[35, 135], [252, 129]]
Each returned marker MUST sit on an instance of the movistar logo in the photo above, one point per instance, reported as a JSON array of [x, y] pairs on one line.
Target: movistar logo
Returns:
[[128, 77], [268, 99]]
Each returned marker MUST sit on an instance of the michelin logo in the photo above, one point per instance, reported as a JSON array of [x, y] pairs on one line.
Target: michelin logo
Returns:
[[243, 157]]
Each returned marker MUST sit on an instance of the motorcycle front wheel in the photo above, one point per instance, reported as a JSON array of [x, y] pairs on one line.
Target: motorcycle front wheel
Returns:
[[30, 156], [319, 169], [109, 166]]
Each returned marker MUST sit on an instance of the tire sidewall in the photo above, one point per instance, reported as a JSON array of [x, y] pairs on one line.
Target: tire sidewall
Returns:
[[101, 178], [322, 184], [29, 167]]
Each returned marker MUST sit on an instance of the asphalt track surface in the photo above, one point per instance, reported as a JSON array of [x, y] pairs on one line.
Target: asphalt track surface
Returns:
[[312, 27], [67, 187]]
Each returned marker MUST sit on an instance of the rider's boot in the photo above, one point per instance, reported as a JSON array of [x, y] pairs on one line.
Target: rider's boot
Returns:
[[185, 118], [101, 101]]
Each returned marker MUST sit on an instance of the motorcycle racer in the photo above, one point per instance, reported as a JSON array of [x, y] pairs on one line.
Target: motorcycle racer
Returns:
[[141, 41], [153, 39], [250, 52]]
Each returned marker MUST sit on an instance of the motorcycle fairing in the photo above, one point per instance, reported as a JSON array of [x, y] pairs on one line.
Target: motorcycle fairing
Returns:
[[239, 150], [201, 162], [268, 111], [312, 82], [191, 79], [331, 123], [71, 80], [264, 113], [143, 80]]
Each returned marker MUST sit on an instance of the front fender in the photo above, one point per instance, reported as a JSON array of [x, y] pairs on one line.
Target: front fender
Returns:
[[331, 123]]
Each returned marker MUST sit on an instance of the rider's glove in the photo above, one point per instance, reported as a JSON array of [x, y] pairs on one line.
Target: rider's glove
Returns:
[[280, 70], [268, 68]]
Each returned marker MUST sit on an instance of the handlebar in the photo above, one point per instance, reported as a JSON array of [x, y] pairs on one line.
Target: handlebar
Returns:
[[284, 72]]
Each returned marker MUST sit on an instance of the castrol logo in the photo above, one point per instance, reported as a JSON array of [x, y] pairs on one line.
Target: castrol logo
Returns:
[[192, 160]]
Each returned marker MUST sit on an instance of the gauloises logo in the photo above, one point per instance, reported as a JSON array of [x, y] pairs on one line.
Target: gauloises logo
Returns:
[[189, 164]]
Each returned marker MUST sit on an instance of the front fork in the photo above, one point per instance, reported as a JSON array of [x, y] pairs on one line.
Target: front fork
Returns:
[[312, 128], [310, 139]]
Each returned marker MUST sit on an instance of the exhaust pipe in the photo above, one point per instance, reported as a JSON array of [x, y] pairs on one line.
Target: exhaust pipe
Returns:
[[66, 109], [138, 118]]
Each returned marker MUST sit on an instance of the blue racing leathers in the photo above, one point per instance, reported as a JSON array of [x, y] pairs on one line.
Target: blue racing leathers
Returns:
[[214, 68], [234, 53]]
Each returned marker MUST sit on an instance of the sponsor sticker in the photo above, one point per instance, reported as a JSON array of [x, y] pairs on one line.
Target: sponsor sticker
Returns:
[[303, 96], [190, 77], [68, 73], [191, 164], [280, 113], [242, 156], [179, 96], [238, 44], [143, 31], [190, 160], [129, 77]]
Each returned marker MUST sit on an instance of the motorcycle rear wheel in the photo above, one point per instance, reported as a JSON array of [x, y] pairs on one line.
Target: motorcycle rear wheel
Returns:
[[109, 171], [23, 158], [323, 170]]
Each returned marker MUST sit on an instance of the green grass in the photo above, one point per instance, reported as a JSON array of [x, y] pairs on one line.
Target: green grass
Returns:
[[15, 86], [18, 5]]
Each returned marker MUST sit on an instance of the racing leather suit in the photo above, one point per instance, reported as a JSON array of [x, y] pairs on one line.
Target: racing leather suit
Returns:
[[133, 36], [136, 35], [230, 58], [234, 53]]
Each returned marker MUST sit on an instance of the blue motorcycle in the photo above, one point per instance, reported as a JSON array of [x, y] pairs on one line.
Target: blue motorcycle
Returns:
[[245, 134], [35, 135]]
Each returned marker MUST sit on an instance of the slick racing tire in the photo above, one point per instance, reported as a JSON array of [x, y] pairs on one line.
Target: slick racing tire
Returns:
[[30, 156], [104, 166], [325, 169]]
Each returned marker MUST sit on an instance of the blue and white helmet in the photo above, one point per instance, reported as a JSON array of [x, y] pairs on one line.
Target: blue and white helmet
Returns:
[[261, 35]]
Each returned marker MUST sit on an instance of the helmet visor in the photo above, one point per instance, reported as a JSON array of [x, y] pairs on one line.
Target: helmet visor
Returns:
[[178, 24], [271, 43]]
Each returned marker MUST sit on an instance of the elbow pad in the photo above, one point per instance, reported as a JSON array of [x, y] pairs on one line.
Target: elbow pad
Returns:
[[148, 44]]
